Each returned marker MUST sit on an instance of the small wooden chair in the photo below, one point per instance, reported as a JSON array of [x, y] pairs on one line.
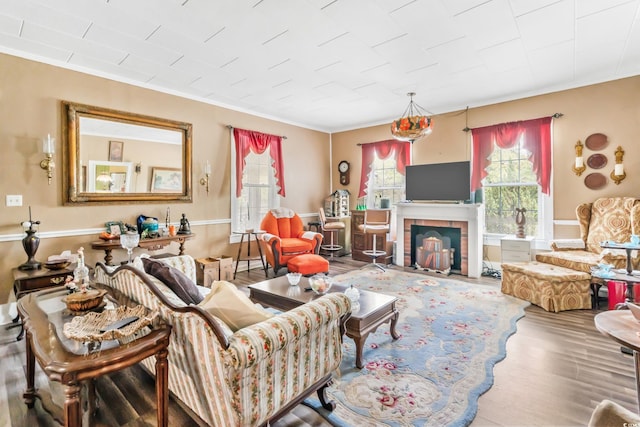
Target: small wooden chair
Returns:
[[376, 222], [333, 229]]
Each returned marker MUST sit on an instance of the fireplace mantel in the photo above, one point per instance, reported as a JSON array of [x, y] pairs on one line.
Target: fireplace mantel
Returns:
[[472, 214]]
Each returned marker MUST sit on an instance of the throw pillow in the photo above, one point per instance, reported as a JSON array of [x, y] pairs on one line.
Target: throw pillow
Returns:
[[175, 279], [232, 306]]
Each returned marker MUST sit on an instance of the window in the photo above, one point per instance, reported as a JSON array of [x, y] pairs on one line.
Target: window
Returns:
[[385, 182], [383, 164], [259, 192], [511, 183]]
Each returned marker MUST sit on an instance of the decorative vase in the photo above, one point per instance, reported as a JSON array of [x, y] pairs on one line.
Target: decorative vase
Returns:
[[30, 244], [520, 222]]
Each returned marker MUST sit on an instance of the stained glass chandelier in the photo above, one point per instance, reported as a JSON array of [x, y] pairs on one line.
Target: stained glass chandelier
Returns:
[[413, 124]]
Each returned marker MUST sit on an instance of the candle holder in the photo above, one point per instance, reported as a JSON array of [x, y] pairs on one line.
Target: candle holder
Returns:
[[578, 167], [618, 174], [49, 149], [207, 171]]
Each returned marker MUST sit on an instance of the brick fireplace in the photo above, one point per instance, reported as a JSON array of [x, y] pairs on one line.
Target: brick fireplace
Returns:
[[469, 218]]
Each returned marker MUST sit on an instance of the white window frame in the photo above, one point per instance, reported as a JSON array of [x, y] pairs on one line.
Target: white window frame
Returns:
[[371, 188], [274, 198], [545, 220]]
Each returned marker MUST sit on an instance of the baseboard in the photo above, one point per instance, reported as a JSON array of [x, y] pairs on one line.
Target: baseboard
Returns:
[[8, 312]]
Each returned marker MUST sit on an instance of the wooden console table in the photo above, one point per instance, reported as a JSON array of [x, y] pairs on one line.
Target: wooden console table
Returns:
[[149, 244], [73, 363]]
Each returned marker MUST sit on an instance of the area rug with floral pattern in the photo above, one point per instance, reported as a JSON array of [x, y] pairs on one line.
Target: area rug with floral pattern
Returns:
[[452, 334]]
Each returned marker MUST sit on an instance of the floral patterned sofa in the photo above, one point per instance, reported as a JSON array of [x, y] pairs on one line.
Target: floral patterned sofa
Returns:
[[250, 377], [561, 278]]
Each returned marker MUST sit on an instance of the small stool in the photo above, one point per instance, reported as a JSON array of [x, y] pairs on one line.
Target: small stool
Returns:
[[308, 264], [332, 228]]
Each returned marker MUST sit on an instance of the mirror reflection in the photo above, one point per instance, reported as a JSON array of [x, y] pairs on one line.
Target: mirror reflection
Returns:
[[115, 156]]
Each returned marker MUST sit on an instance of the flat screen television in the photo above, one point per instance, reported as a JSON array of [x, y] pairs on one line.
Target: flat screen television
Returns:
[[439, 182]]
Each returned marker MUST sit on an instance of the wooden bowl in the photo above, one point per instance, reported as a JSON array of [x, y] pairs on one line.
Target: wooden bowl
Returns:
[[84, 301], [56, 265]]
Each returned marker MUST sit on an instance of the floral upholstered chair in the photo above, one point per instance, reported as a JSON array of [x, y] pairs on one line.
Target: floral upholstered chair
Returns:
[[285, 237], [606, 219]]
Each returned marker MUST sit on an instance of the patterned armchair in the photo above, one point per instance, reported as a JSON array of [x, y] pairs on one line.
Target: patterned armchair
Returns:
[[612, 218], [286, 238], [246, 378]]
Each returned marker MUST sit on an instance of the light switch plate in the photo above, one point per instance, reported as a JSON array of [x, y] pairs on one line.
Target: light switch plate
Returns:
[[14, 200]]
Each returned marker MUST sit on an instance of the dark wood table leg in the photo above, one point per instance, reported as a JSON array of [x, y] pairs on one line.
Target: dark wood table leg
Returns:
[[359, 346], [181, 248], [108, 257], [72, 409], [239, 253], [30, 393], [264, 264], [162, 388], [392, 326]]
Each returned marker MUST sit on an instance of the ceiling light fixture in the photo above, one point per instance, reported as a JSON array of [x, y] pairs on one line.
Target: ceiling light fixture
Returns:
[[413, 124]]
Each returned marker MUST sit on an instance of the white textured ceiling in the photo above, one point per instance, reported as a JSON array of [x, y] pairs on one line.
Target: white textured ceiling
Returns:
[[333, 65]]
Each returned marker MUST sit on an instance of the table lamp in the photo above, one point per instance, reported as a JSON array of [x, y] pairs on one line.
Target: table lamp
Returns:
[[30, 244]]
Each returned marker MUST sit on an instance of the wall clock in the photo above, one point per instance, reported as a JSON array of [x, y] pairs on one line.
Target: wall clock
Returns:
[[344, 169]]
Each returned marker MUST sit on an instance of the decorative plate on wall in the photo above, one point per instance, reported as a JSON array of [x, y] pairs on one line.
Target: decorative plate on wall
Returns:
[[595, 181], [597, 161], [596, 141]]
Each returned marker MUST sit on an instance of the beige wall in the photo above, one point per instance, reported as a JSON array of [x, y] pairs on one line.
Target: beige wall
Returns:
[[611, 108], [30, 95]]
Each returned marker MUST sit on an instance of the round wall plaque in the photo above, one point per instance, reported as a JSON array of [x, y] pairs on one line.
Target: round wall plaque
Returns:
[[595, 181], [597, 161], [596, 141]]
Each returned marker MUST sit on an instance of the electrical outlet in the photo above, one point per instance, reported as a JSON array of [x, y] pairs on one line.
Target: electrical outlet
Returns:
[[14, 200]]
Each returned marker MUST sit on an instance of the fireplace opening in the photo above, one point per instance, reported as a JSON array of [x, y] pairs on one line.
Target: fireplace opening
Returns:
[[436, 248]]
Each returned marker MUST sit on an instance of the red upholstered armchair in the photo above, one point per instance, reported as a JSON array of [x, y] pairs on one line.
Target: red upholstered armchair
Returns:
[[285, 237]]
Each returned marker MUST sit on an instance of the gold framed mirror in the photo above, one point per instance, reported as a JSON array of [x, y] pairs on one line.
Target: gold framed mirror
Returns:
[[114, 157]]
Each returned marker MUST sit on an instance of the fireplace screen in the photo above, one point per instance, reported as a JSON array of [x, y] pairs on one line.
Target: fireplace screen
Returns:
[[433, 252]]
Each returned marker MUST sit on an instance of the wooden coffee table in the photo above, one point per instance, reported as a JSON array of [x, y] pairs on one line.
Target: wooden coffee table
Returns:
[[374, 308]]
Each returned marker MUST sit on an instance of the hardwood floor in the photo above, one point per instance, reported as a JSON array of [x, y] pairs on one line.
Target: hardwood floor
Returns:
[[558, 368]]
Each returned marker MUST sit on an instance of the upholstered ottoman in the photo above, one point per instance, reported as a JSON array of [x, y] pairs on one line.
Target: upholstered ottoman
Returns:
[[548, 286], [308, 264]]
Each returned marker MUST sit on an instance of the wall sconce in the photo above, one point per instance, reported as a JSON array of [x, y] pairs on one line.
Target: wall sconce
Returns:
[[207, 171], [578, 167], [618, 174], [49, 149]]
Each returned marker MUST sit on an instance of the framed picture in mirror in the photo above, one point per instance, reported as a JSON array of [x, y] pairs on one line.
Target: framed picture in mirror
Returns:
[[115, 151], [166, 180]]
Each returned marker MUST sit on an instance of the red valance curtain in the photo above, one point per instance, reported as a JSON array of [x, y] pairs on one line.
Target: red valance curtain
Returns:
[[537, 140], [247, 141], [384, 149]]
